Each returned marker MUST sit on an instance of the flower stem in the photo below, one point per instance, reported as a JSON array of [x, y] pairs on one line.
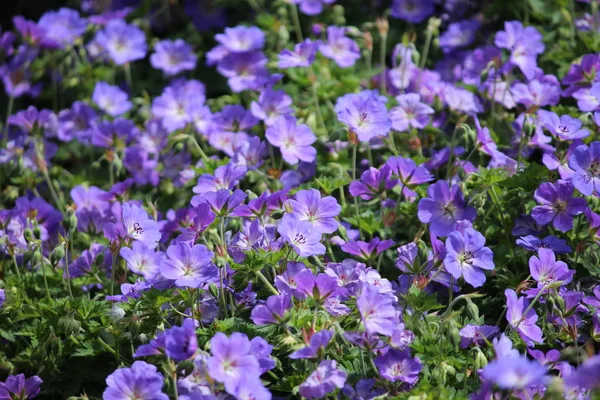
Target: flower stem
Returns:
[[296, 19], [264, 280], [113, 269]]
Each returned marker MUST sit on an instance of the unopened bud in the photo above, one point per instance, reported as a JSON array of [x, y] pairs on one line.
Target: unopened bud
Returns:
[[28, 234], [57, 254], [454, 336], [480, 359], [213, 290], [37, 232], [472, 310], [343, 232]]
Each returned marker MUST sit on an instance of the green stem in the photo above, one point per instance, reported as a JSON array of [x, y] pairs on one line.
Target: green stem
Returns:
[[127, 68], [382, 49], [425, 51], [45, 277], [68, 272], [113, 269], [11, 101], [354, 151], [313, 80], [296, 19], [264, 280]]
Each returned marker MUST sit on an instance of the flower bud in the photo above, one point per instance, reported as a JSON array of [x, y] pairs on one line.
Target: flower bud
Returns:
[[57, 254], [213, 290], [37, 232], [28, 234], [472, 310], [343, 232], [480, 359], [454, 336]]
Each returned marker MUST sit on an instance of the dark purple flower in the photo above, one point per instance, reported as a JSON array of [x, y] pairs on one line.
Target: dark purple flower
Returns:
[[293, 140], [377, 311], [181, 342], [324, 380], [224, 177], [467, 256], [189, 266], [287, 281], [557, 205], [273, 311], [18, 388], [16, 74], [414, 11], [202, 220], [585, 161], [318, 342], [78, 122], [122, 42], [319, 287], [339, 48], [524, 324], [533, 243], [587, 376], [373, 182], [173, 56], [367, 250], [443, 208], [140, 381], [399, 366], [459, 34], [303, 55]]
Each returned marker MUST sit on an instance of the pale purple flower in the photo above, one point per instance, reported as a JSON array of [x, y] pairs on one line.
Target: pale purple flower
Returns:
[[293, 140], [533, 243], [365, 115], [63, 26], [324, 380], [303, 55], [399, 366], [557, 205], [459, 34], [564, 127], [476, 334], [461, 100], [308, 205], [141, 381], [410, 113], [443, 208], [467, 256], [139, 226], [514, 373], [189, 266], [301, 235], [122, 42], [245, 71], [587, 376], [585, 161], [224, 177], [173, 56], [524, 43], [173, 105], [111, 99], [222, 202], [231, 359], [409, 174], [142, 261], [367, 250], [271, 105], [546, 269], [241, 39], [312, 7], [319, 287], [594, 300], [523, 324], [537, 92], [339, 48], [377, 311]]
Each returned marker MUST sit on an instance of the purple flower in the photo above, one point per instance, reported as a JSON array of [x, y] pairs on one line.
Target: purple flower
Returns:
[[222, 202], [225, 177], [443, 208], [524, 43], [324, 380], [250, 154], [537, 92], [231, 359], [319, 287], [248, 388], [514, 373], [377, 311], [406, 170], [2, 297], [287, 281], [123, 43], [139, 226], [241, 39], [585, 161], [365, 115], [111, 99], [141, 381], [460, 99], [181, 342], [557, 205], [594, 300], [523, 324], [16, 74], [142, 260], [372, 183], [173, 57], [63, 26], [459, 34], [533, 243], [320, 212], [78, 122], [312, 7], [91, 211], [414, 11], [546, 269], [477, 335], [189, 266], [17, 387], [245, 71], [271, 105], [565, 127], [273, 311], [293, 140], [202, 220], [410, 113], [587, 376], [367, 250], [173, 106], [301, 235], [580, 75], [399, 366], [467, 257], [552, 357], [318, 342], [344, 51], [303, 55]]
